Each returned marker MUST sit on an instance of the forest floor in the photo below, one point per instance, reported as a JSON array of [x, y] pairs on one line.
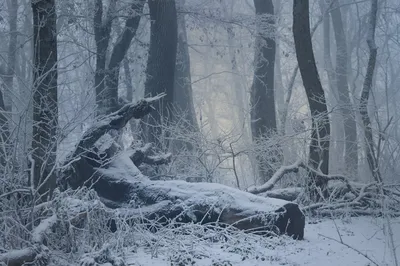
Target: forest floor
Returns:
[[193, 245]]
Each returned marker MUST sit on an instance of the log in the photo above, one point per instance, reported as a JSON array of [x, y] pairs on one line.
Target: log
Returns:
[[120, 182], [183, 202]]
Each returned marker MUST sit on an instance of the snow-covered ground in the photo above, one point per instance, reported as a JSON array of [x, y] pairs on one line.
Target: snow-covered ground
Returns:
[[196, 247]]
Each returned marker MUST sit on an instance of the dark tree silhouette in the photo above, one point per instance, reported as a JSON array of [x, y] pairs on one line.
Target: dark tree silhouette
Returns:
[[45, 106], [373, 51], [183, 105], [161, 66], [319, 146], [107, 76], [263, 117], [345, 105]]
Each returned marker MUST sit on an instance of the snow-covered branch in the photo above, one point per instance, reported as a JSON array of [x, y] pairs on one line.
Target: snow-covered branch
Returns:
[[34, 253], [275, 178]]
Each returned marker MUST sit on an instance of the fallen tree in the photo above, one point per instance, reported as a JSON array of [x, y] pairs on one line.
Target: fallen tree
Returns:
[[99, 163], [344, 196], [118, 182]]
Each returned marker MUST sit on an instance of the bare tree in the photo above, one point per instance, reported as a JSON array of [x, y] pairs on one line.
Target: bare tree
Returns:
[[345, 105], [263, 117], [373, 50], [183, 94], [7, 75], [319, 146], [12, 51], [337, 145], [45, 108], [161, 65], [107, 76], [4, 131]]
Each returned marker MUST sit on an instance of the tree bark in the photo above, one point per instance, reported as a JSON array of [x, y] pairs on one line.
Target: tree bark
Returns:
[[161, 67], [345, 105], [183, 94], [120, 50], [278, 86], [5, 133], [337, 144], [262, 102], [107, 76], [45, 109], [8, 78], [128, 81], [319, 146], [11, 56], [293, 80], [105, 100], [367, 87]]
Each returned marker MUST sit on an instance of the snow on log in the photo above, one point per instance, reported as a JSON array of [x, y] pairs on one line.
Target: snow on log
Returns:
[[181, 201]]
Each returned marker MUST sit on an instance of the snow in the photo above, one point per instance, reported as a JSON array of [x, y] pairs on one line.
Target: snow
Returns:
[[212, 193], [16, 254], [362, 233], [38, 232], [289, 193], [104, 142], [122, 168]]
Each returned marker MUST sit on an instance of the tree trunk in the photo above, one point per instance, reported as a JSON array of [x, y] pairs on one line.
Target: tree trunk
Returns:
[[183, 94], [105, 100], [263, 118], [240, 93], [4, 133], [8, 77], [119, 52], [107, 76], [128, 81], [11, 57], [369, 141], [337, 143], [45, 109], [161, 67], [319, 146], [293, 80], [345, 105]]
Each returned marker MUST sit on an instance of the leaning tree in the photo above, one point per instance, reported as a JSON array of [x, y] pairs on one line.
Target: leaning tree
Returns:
[[319, 146]]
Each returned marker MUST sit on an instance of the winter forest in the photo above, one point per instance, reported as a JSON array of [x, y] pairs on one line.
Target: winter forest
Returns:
[[199, 132]]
